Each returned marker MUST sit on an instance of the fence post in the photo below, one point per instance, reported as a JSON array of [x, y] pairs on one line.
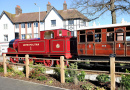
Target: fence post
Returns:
[[112, 70], [27, 65], [4, 64], [62, 72]]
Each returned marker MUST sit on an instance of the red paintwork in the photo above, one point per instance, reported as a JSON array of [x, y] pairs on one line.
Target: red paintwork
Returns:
[[104, 47], [55, 47]]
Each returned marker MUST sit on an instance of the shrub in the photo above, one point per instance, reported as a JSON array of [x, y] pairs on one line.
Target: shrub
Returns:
[[69, 79], [125, 80], [41, 78], [36, 71], [69, 74], [81, 76], [87, 87], [9, 68], [103, 78]]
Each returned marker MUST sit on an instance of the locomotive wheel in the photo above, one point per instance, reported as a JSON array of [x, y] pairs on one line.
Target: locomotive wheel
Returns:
[[14, 60], [48, 63], [65, 63]]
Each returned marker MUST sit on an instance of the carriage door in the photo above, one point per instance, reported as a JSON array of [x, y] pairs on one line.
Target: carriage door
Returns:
[[128, 41], [90, 43], [119, 42]]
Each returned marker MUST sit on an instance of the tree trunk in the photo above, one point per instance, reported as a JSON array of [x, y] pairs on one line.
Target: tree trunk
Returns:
[[113, 13]]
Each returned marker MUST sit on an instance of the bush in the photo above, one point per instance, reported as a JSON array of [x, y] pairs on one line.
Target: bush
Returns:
[[41, 78], [125, 80], [9, 69], [87, 87], [103, 78], [81, 76], [36, 71], [69, 74]]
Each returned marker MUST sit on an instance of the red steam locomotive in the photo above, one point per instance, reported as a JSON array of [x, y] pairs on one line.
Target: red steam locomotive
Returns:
[[93, 41], [52, 43]]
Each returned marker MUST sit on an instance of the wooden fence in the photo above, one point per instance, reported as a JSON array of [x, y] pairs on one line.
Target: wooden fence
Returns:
[[112, 67]]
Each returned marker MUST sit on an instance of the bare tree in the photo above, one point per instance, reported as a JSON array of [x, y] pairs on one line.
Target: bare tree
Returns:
[[97, 8]]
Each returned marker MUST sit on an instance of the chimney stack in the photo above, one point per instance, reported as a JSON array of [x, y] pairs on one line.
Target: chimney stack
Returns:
[[64, 6], [18, 10], [48, 7]]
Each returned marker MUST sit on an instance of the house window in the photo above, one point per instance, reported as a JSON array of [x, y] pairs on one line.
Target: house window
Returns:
[[23, 25], [35, 35], [5, 37], [16, 26], [5, 26], [83, 23], [29, 25], [23, 36], [71, 22], [53, 23], [36, 24]]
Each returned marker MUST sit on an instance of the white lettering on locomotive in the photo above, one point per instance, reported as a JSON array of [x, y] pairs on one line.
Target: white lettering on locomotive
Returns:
[[35, 44]]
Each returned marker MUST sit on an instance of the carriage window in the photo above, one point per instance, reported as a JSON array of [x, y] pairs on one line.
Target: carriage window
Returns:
[[119, 35], [97, 35], [127, 36], [82, 32], [110, 34], [128, 28], [110, 29], [49, 35], [97, 30], [89, 36], [82, 38]]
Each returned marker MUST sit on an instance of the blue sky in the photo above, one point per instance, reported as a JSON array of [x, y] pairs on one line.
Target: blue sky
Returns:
[[28, 6]]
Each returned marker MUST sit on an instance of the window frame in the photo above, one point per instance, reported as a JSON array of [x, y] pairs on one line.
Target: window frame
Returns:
[[35, 24], [53, 23], [22, 25], [6, 37], [5, 26], [70, 22], [17, 26], [29, 25]]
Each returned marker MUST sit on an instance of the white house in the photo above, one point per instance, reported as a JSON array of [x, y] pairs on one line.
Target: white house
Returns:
[[18, 25]]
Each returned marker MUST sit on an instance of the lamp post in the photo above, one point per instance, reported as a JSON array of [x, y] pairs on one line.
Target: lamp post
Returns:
[[39, 15]]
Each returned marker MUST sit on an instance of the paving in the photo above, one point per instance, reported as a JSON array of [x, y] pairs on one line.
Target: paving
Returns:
[[14, 84]]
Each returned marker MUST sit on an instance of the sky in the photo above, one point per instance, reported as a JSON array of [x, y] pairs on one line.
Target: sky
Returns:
[[28, 6]]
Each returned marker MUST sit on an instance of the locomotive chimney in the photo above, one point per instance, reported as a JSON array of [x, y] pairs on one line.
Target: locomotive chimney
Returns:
[[64, 6], [48, 7], [18, 10]]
